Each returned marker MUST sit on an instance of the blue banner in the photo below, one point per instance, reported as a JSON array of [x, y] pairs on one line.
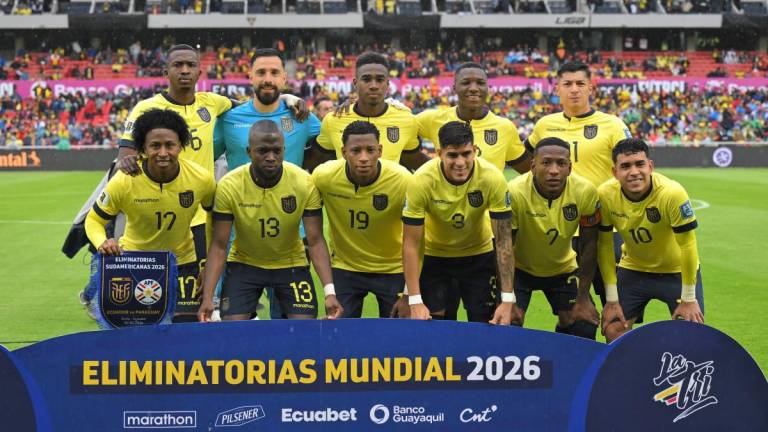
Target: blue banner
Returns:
[[384, 375]]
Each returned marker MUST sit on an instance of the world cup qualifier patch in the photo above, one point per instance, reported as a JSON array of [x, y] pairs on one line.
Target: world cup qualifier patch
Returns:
[[686, 210]]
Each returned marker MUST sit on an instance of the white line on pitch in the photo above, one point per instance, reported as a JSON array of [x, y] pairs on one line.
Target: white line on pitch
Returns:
[[699, 204], [34, 222]]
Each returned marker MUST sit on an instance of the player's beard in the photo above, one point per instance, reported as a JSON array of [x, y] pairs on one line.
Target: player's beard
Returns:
[[267, 100]]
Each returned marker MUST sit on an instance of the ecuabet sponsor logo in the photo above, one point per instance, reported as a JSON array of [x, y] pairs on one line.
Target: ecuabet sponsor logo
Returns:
[[327, 415], [686, 384], [381, 414], [159, 419], [240, 416]]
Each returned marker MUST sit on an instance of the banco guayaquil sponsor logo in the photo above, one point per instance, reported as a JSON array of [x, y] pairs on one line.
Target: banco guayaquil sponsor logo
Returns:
[[240, 416], [323, 415], [159, 419], [684, 384], [381, 414]]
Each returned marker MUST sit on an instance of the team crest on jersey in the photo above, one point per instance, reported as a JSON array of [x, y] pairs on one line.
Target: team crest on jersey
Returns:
[[204, 114], [475, 198], [289, 203], [287, 124], [653, 215], [186, 198], [120, 290], [380, 201], [491, 136], [570, 212], [393, 134], [590, 131]]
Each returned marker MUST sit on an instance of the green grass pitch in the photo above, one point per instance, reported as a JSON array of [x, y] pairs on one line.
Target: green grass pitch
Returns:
[[40, 285]]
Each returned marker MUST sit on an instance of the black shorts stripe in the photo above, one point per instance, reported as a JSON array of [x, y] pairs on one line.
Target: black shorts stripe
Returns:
[[685, 228], [315, 212], [223, 216], [522, 157], [102, 214], [207, 208], [413, 221], [604, 228], [501, 215], [323, 149], [127, 143]]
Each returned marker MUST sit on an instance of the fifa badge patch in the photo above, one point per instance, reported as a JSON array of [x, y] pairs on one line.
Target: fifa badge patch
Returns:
[[104, 198], [186, 198], [491, 136], [590, 131], [686, 210], [393, 134], [120, 290], [289, 204], [475, 198], [570, 212], [653, 215], [287, 124], [380, 201], [204, 114], [508, 199]]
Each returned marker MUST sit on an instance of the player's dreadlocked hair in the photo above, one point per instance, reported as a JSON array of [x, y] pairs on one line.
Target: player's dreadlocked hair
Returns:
[[574, 67], [552, 141], [467, 65], [455, 133], [159, 119], [359, 127], [371, 58], [630, 146], [267, 52]]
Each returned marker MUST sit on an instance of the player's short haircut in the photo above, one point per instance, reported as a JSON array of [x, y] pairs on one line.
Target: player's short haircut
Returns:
[[371, 58], [182, 47], [551, 141], [359, 127], [159, 119], [576, 66], [267, 127], [467, 65], [321, 99], [267, 52], [630, 146], [455, 133]]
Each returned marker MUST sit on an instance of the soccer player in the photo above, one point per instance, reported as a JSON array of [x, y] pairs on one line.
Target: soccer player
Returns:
[[448, 203], [496, 137], [659, 257], [592, 134], [265, 201], [167, 185], [364, 196], [397, 127], [548, 205]]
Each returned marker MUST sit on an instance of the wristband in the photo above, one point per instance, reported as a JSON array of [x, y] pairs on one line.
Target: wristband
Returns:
[[329, 289], [507, 297], [414, 299], [611, 293], [689, 293]]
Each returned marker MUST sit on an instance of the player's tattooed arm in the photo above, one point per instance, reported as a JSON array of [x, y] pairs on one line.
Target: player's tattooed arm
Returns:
[[584, 309], [507, 312]]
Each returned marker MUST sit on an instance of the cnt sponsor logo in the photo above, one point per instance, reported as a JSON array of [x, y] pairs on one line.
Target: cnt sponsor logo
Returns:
[[686, 384], [240, 416], [326, 415], [415, 415], [468, 415], [159, 419]]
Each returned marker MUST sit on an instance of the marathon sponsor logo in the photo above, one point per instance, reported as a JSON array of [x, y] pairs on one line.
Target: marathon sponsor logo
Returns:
[[535, 214], [240, 416], [414, 415], [335, 195], [248, 205], [327, 415], [619, 215], [146, 200], [159, 419], [441, 201]]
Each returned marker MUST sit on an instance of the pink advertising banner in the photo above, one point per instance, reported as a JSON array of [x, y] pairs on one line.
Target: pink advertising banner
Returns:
[[236, 87]]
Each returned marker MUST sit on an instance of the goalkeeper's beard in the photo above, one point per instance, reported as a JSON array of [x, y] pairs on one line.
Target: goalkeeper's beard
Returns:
[[267, 100]]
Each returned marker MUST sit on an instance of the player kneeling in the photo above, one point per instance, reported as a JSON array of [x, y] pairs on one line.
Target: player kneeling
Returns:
[[266, 200], [159, 203], [660, 260]]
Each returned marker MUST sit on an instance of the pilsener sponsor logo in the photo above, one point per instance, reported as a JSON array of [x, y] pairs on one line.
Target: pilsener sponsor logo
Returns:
[[159, 419], [290, 415], [240, 416]]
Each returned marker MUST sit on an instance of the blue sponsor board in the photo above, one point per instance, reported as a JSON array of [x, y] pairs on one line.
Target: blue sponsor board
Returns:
[[383, 375]]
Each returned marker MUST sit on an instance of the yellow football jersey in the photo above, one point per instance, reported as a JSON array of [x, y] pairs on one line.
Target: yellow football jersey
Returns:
[[496, 137], [365, 226], [545, 227], [158, 215], [592, 137], [456, 217], [267, 220], [398, 132], [648, 226]]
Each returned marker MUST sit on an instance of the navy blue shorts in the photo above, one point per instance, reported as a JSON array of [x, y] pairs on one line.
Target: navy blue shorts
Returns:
[[560, 290], [352, 288], [637, 288], [244, 284]]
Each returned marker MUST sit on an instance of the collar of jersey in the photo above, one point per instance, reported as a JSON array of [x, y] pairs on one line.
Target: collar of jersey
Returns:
[[541, 194], [386, 108], [279, 177], [486, 111], [174, 101], [349, 177], [280, 107], [442, 174], [145, 168], [642, 198], [580, 116]]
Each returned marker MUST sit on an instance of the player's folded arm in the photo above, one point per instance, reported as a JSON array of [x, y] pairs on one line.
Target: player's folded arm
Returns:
[[500, 215], [223, 216], [414, 221], [312, 212]]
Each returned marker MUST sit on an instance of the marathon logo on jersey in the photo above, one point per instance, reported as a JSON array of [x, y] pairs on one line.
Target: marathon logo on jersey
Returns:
[[491, 136], [570, 212], [204, 114], [475, 198], [186, 198], [686, 210], [590, 131], [287, 124], [688, 384], [653, 215], [120, 290], [380, 201], [393, 134], [289, 204]]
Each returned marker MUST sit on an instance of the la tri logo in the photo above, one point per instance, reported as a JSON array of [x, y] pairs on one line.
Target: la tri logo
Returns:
[[687, 384]]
